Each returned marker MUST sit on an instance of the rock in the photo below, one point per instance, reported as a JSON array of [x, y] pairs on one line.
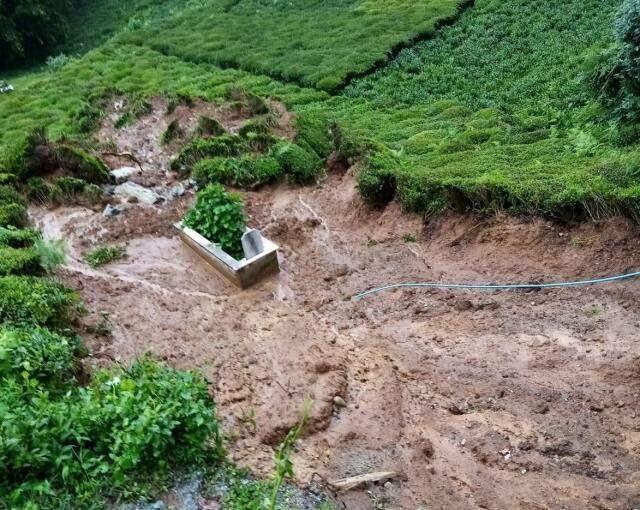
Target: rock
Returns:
[[144, 195], [596, 408], [189, 183], [175, 191], [541, 408], [111, 210], [338, 401], [123, 174]]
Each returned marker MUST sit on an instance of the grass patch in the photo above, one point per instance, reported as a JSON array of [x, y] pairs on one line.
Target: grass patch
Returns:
[[105, 255]]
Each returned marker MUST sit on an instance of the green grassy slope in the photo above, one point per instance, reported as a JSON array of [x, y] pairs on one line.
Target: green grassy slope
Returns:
[[492, 113], [313, 42]]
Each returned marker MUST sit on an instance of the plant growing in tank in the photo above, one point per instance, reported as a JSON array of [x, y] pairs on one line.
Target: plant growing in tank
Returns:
[[219, 216]]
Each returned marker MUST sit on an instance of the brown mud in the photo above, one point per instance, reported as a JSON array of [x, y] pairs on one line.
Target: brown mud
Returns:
[[511, 400]]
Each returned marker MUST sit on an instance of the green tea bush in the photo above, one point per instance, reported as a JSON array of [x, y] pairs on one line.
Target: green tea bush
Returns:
[[105, 255], [125, 430], [13, 215], [201, 148], [81, 164], [35, 301], [377, 178], [19, 261], [300, 165], [38, 353], [247, 171], [18, 238], [314, 132], [219, 217]]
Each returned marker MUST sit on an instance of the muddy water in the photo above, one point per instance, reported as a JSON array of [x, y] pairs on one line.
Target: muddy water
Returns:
[[478, 400]]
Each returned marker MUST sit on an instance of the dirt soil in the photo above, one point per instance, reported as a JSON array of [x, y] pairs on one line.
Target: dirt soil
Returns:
[[511, 400]]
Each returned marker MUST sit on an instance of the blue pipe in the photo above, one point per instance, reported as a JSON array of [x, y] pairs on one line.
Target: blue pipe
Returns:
[[552, 285]]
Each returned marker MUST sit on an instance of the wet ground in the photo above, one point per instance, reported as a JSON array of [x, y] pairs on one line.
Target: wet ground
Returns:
[[512, 400]]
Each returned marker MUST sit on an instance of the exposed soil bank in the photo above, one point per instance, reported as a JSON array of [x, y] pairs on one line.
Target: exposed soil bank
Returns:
[[481, 400], [513, 400]]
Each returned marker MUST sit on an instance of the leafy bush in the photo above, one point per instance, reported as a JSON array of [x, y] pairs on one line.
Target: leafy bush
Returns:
[[300, 165], [219, 217], [377, 178], [17, 238], [13, 215], [37, 353], [200, 148], [314, 132], [105, 255], [30, 29], [124, 430], [51, 253], [18, 261], [35, 301], [81, 164], [246, 172], [615, 72], [59, 61]]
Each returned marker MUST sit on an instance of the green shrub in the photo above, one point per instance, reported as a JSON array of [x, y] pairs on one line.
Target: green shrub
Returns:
[[13, 215], [258, 126], [9, 195], [37, 353], [314, 132], [26, 300], [7, 178], [301, 166], [69, 186], [105, 255], [208, 126], [39, 190], [18, 261], [256, 105], [18, 238], [51, 253], [201, 148], [219, 217], [126, 429], [377, 178], [81, 164], [246, 171]]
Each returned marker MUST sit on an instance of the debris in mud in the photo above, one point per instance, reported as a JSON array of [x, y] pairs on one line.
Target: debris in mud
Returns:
[[112, 210], [129, 190], [123, 174], [459, 409], [339, 401]]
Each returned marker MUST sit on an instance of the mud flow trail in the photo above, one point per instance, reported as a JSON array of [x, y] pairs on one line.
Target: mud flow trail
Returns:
[[512, 400]]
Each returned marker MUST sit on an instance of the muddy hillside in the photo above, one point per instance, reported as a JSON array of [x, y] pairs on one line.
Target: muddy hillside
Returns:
[[493, 400]]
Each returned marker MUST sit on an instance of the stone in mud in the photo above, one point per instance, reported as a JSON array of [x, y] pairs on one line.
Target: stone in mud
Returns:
[[111, 210], [144, 195], [339, 401], [123, 174], [175, 191]]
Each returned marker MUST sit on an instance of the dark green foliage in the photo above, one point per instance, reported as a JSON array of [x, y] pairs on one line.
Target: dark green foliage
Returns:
[[127, 428], [316, 43], [208, 126], [37, 353], [17, 238], [256, 126], [13, 215], [300, 165], [18, 261], [615, 72], [219, 217], [105, 255], [314, 132], [81, 164], [377, 178], [201, 148], [30, 29], [246, 171], [70, 186], [25, 300], [172, 132]]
